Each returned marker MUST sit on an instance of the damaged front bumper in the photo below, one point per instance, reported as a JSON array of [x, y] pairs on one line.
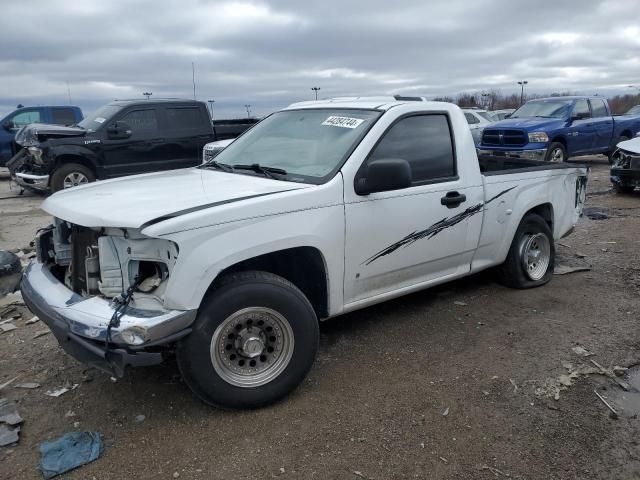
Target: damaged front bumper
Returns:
[[28, 180], [27, 174], [80, 324]]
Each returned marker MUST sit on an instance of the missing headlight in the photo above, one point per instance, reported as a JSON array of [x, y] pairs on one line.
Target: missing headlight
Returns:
[[149, 274]]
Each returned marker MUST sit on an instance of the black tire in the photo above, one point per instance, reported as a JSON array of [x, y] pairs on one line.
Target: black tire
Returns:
[[512, 273], [610, 153], [66, 169], [231, 295], [623, 189], [551, 152]]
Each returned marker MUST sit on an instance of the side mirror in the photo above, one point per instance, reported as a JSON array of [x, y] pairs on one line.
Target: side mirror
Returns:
[[384, 175], [580, 116], [118, 131], [8, 125]]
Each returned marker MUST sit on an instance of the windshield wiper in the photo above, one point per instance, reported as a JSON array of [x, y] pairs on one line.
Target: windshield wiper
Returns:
[[218, 166], [266, 171]]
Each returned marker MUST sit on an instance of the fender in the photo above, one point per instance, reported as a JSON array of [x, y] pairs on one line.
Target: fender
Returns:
[[57, 153]]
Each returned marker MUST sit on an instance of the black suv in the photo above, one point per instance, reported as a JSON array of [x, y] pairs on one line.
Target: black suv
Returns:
[[124, 137]]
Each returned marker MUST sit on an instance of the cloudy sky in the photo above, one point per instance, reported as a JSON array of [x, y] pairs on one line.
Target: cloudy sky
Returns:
[[270, 53]]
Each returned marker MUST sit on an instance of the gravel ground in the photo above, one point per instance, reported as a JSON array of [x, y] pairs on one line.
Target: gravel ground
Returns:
[[454, 382]]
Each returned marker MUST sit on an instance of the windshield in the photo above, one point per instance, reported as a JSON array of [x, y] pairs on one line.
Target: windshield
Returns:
[[544, 108], [94, 121], [634, 110], [310, 145], [486, 116]]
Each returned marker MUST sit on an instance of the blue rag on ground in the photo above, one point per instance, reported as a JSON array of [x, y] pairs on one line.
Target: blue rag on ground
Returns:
[[68, 452]]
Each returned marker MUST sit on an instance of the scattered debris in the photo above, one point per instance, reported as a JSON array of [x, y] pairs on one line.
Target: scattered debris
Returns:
[[460, 304], [358, 474], [176, 474], [580, 350], [596, 213], [27, 385], [61, 390], [7, 327], [139, 418], [32, 320], [70, 414], [614, 414], [10, 421], [68, 452], [444, 459], [41, 333], [515, 386], [619, 371], [8, 382], [611, 374], [493, 470], [446, 412], [565, 269]]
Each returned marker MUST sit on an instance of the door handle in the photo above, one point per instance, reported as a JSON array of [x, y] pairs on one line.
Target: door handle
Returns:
[[453, 199]]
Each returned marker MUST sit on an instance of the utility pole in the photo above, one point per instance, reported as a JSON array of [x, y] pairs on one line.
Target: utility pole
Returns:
[[248, 107], [193, 78], [522, 84], [485, 100], [147, 94], [211, 102], [316, 90]]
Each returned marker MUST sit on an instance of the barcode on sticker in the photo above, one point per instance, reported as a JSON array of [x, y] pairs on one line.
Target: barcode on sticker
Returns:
[[344, 122]]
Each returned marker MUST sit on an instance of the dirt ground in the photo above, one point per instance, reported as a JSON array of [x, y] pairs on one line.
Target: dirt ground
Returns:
[[456, 382]]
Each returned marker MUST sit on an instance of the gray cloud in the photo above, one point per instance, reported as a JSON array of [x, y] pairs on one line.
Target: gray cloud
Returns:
[[269, 54]]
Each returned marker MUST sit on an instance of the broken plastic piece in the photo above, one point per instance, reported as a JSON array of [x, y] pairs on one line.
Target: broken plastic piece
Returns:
[[68, 452]]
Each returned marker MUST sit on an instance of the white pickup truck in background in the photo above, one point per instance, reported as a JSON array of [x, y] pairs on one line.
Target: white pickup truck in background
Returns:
[[320, 209]]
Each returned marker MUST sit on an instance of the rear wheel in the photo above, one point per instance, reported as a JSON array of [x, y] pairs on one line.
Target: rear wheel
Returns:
[[254, 340], [556, 153], [531, 257], [70, 175]]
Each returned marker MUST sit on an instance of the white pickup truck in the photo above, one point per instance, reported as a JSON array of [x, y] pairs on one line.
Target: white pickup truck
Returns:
[[320, 209]]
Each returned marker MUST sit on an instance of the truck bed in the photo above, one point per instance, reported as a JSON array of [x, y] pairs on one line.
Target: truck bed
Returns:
[[498, 165]]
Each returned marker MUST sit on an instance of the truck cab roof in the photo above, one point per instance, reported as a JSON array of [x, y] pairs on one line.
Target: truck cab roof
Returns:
[[369, 103], [155, 101]]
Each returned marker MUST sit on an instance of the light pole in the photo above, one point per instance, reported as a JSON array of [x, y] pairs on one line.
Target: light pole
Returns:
[[635, 86], [147, 94], [211, 102], [316, 90], [522, 84], [248, 107], [486, 100]]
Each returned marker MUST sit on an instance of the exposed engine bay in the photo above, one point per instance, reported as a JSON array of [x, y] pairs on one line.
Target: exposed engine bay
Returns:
[[108, 261]]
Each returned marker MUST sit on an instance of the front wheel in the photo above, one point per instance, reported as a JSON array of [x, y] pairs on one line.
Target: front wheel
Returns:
[[556, 153], [253, 342], [531, 257], [70, 175]]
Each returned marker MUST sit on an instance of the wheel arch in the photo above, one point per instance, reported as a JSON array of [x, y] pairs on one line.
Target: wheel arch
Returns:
[[303, 266], [66, 158]]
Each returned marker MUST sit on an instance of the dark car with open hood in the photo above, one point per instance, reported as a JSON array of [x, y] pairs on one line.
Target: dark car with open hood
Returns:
[[124, 137]]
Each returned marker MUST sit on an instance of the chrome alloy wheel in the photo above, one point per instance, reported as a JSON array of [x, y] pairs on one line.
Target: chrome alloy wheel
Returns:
[[74, 179], [536, 255], [556, 155], [252, 347]]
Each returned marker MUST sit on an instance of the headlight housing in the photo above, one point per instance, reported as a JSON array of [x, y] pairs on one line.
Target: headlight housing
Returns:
[[36, 153], [538, 137]]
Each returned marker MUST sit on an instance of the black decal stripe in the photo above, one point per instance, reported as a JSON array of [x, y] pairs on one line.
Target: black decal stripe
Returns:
[[434, 229], [205, 206]]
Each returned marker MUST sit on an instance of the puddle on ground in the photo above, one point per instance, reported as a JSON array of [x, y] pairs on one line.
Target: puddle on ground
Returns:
[[627, 404]]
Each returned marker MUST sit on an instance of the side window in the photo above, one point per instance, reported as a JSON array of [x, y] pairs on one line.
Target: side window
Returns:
[[25, 118], [471, 118], [63, 116], [581, 107], [142, 122], [425, 142], [181, 119], [598, 108]]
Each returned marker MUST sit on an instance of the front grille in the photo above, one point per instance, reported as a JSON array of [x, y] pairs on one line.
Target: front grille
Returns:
[[500, 137]]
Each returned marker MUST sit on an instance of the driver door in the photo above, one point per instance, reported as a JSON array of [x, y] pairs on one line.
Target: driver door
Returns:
[[400, 238], [581, 131]]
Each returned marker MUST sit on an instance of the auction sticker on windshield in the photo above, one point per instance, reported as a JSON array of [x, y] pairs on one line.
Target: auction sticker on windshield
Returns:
[[344, 122], [99, 120]]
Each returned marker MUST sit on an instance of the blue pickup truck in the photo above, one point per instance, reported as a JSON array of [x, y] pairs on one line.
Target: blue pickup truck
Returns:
[[557, 128], [10, 124]]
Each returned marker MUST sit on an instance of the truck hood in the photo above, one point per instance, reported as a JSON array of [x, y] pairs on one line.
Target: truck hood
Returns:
[[632, 145], [142, 200], [528, 123], [33, 134]]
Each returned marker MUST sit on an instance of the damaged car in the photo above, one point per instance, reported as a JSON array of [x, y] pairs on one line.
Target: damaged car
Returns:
[[625, 171], [320, 209]]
